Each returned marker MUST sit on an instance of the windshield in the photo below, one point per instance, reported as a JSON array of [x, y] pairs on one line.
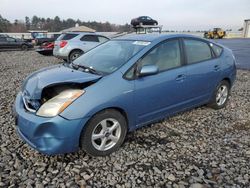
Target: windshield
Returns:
[[110, 56]]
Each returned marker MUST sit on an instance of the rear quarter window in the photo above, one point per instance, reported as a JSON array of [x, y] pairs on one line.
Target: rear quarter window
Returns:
[[217, 49]]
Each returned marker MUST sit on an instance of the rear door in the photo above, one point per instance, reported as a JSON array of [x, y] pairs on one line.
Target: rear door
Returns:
[[203, 70], [89, 41]]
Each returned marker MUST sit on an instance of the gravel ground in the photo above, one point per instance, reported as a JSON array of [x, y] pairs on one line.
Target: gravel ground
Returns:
[[198, 148]]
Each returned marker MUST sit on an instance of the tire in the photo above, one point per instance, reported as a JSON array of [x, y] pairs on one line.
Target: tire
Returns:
[[222, 90], [24, 47], [216, 36], [98, 139], [74, 55]]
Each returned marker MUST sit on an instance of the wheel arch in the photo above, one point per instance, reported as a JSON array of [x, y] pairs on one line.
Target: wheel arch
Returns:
[[228, 80], [73, 50], [119, 109]]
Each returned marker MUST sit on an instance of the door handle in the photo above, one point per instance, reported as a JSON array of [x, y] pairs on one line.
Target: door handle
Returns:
[[180, 77], [216, 67]]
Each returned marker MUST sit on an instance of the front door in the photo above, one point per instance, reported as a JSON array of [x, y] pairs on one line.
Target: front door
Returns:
[[163, 93], [11, 43]]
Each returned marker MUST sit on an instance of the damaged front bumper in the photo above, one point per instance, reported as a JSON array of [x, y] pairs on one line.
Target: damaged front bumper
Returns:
[[50, 136]]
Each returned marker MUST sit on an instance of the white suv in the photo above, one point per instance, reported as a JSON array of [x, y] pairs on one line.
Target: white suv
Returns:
[[71, 45]]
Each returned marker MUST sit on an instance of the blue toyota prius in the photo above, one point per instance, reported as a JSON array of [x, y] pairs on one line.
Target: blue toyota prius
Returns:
[[119, 86]]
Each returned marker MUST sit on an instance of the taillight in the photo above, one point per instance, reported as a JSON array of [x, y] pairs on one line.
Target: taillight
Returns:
[[63, 43]]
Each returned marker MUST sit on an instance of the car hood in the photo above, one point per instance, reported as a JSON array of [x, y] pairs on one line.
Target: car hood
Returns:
[[36, 82]]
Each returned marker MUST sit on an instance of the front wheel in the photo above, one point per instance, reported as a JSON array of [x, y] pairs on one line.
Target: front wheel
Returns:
[[104, 133], [220, 96]]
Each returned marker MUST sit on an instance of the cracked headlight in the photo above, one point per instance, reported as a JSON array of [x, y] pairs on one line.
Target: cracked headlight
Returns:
[[60, 102]]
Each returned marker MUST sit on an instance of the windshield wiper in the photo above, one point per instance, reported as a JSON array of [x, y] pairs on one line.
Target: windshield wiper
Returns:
[[86, 68]]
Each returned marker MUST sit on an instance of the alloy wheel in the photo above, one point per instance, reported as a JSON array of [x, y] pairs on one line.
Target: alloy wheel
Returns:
[[222, 95], [75, 56], [106, 134]]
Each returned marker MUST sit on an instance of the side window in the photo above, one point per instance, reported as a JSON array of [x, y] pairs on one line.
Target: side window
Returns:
[[197, 51], [102, 39], [2, 39], [10, 39], [90, 38], [166, 56], [217, 49], [67, 36]]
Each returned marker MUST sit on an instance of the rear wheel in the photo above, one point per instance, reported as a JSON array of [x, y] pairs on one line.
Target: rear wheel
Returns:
[[104, 133], [24, 47], [74, 55], [220, 97]]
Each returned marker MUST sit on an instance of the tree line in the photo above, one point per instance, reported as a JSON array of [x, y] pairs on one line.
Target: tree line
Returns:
[[57, 24]]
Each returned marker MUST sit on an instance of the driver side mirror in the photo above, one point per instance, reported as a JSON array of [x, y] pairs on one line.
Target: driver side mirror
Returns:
[[147, 70]]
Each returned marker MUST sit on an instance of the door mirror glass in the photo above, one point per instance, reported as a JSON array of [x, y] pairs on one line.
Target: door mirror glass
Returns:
[[147, 70]]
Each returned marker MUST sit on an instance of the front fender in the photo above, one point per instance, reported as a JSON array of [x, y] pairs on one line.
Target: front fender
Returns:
[[109, 92]]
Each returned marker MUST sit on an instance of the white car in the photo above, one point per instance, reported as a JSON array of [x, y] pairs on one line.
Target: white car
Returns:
[[69, 46]]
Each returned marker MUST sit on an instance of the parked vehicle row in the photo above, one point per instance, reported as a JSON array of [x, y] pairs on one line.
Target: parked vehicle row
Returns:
[[7, 42], [117, 87], [44, 40]]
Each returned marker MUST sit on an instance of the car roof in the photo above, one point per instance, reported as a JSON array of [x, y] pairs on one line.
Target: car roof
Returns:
[[72, 32], [152, 37]]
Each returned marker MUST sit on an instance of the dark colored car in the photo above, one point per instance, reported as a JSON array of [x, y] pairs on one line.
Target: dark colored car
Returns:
[[12, 43], [119, 86], [4, 35], [44, 40], [143, 20], [46, 49]]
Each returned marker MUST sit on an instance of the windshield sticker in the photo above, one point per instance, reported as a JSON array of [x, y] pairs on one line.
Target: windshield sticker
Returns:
[[142, 43]]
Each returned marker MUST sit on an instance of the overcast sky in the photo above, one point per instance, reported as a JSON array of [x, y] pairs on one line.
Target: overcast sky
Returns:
[[172, 14]]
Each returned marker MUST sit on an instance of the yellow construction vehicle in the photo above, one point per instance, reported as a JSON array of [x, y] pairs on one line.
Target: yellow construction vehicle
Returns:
[[217, 33]]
